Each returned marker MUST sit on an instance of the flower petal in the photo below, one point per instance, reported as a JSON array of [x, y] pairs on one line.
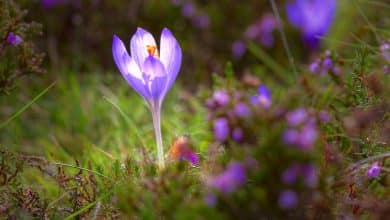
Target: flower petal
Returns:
[[170, 55], [138, 46], [128, 67], [156, 77]]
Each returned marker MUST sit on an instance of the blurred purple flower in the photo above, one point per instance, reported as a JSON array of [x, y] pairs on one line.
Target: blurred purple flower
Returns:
[[221, 129], [221, 98], [374, 170], [296, 117], [385, 51], [307, 137], [242, 110], [237, 134], [201, 21], [324, 116], [14, 39], [327, 63], [310, 176], [288, 199], [263, 97], [314, 67], [52, 3], [289, 176], [291, 137], [312, 17], [188, 9], [238, 49], [149, 73], [210, 200], [229, 180], [176, 2], [262, 30]]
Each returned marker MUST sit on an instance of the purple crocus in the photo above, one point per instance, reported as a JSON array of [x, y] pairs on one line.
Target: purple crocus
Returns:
[[221, 129], [150, 73], [288, 199], [374, 170], [312, 17], [228, 181], [14, 39]]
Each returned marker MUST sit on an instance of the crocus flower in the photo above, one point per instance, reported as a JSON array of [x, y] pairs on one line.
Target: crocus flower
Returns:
[[228, 181], [150, 73], [14, 39], [312, 17], [374, 170], [288, 199], [263, 97], [221, 129]]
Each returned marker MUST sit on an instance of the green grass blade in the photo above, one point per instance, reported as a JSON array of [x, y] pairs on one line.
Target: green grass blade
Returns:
[[24, 108]]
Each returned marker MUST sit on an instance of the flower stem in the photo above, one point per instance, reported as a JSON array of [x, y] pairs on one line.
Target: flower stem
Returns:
[[155, 108]]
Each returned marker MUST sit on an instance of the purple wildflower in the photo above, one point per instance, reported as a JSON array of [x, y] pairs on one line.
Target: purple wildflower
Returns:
[[289, 176], [310, 176], [237, 134], [228, 181], [288, 199], [242, 110], [221, 129], [296, 117], [291, 137], [150, 73], [263, 97], [374, 170], [307, 137], [188, 9], [385, 51], [52, 3], [262, 30], [14, 39], [312, 17], [238, 49], [210, 200], [324, 116], [314, 67], [201, 21], [221, 98]]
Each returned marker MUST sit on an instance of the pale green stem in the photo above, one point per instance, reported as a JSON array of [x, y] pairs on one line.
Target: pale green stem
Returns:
[[155, 109]]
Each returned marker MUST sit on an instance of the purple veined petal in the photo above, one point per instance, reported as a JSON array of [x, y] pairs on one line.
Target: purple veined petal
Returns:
[[128, 67], [155, 77], [138, 46], [294, 14], [170, 55]]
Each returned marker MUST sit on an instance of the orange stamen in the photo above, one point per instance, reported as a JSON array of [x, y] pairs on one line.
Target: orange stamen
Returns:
[[152, 50]]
